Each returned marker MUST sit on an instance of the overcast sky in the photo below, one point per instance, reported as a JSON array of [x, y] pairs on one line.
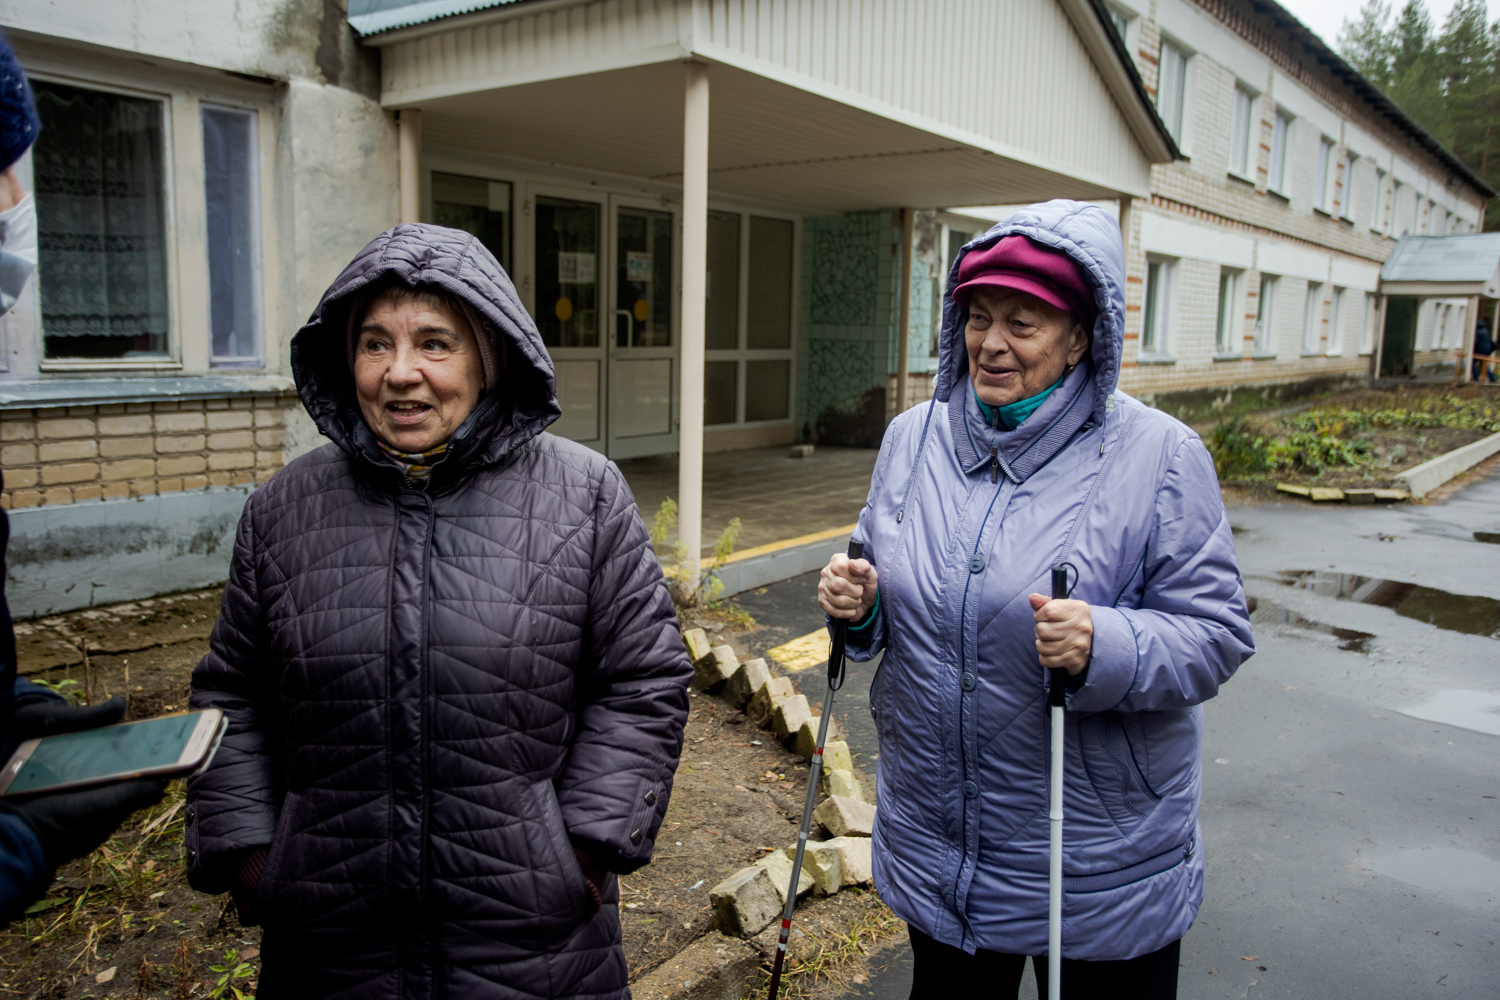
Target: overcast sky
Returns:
[[1326, 17]]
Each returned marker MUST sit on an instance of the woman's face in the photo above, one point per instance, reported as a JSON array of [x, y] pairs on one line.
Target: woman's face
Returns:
[[1018, 345], [417, 372]]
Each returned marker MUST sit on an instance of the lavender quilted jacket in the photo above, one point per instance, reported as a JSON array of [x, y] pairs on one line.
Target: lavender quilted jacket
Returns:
[[963, 522], [435, 695]]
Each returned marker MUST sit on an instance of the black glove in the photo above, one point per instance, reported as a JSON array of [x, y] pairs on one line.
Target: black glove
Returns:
[[50, 717], [71, 824]]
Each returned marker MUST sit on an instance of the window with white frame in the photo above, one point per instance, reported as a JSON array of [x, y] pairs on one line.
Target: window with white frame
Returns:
[[748, 371], [1121, 19], [1444, 312], [1345, 176], [1227, 333], [1336, 317], [1171, 88], [1279, 128], [1239, 140], [1322, 193], [1367, 324], [99, 173], [233, 212], [1312, 319], [1377, 204], [1265, 314], [1156, 306]]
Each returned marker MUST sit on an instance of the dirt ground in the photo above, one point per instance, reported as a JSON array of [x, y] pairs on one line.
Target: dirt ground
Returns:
[[124, 923]]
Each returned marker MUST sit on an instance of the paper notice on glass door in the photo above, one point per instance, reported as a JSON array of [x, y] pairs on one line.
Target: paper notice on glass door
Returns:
[[575, 267]]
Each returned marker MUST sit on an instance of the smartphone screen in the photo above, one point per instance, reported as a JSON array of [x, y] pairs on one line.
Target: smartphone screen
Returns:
[[98, 753]]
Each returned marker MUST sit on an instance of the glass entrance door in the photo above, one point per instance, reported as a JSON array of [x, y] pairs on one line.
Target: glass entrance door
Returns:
[[643, 333], [567, 304]]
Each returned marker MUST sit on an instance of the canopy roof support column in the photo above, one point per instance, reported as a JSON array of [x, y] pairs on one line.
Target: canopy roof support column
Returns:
[[694, 309], [409, 156]]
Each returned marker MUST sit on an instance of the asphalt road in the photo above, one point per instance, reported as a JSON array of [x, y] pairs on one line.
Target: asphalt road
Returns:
[[1351, 794]]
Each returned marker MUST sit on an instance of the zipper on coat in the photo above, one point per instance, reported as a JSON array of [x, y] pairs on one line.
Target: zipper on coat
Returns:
[[994, 463], [434, 944]]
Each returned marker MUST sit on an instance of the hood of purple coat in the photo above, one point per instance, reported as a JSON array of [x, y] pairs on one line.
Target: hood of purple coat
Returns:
[[1091, 237]]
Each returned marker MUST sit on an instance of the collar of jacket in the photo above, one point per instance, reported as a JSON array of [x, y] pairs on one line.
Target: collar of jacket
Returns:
[[1034, 443]]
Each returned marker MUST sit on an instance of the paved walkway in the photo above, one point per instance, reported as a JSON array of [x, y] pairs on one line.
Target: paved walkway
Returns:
[[776, 497]]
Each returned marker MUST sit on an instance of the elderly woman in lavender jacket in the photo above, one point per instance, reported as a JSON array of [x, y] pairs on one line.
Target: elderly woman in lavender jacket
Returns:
[[1028, 456]]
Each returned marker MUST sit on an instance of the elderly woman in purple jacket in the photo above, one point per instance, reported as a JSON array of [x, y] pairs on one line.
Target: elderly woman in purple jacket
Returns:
[[1028, 456]]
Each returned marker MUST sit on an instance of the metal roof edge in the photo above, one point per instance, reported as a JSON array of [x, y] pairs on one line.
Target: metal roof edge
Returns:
[[1338, 67], [420, 12]]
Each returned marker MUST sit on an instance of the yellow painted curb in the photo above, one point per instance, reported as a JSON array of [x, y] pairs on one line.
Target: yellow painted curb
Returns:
[[810, 650], [763, 550]]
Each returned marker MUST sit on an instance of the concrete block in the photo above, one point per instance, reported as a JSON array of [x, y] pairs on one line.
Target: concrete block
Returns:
[[845, 817], [779, 866], [764, 701], [745, 902], [1423, 479], [802, 451], [751, 676], [825, 864], [841, 782], [836, 756], [805, 741], [855, 860], [789, 715], [714, 669], [696, 641], [714, 967]]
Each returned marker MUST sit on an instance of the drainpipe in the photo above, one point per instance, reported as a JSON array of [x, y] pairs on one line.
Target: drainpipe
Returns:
[[409, 144], [694, 310], [903, 340]]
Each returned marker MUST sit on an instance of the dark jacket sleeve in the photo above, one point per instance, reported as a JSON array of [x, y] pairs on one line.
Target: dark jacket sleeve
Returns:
[[631, 693], [24, 874], [234, 804]]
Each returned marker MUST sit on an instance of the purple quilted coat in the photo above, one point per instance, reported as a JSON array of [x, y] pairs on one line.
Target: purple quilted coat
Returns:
[[963, 522], [434, 695]]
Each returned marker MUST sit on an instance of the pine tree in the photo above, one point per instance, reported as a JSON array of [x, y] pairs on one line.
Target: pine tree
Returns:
[[1367, 45]]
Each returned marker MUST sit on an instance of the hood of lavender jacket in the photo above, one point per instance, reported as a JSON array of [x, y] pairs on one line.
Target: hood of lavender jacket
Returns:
[[964, 522]]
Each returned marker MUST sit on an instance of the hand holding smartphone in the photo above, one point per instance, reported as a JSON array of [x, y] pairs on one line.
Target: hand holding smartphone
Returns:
[[169, 746]]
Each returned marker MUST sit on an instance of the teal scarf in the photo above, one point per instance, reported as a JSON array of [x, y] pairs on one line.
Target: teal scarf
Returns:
[[1013, 415]]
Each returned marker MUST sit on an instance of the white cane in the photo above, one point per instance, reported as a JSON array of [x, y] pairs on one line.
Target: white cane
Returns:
[[1056, 696]]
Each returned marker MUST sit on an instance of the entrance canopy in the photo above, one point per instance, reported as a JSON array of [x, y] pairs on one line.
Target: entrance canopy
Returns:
[[821, 108], [1444, 266]]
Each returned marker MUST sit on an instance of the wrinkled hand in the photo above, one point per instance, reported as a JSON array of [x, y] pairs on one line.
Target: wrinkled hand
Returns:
[[1064, 633], [847, 587], [71, 824], [12, 193]]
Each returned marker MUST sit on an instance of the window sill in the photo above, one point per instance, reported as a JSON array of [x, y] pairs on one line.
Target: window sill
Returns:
[[1317, 210], [1304, 354], [92, 391], [1284, 199], [1241, 178], [1327, 354], [158, 364], [1264, 356], [1229, 357], [1155, 359]]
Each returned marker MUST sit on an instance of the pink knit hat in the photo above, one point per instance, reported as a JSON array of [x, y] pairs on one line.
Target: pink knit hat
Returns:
[[1025, 265]]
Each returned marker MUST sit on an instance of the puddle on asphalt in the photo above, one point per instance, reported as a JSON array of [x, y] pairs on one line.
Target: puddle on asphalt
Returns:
[[1271, 613], [1442, 869], [1475, 710], [1455, 612]]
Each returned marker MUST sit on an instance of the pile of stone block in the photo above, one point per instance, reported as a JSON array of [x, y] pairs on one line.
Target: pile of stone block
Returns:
[[746, 902]]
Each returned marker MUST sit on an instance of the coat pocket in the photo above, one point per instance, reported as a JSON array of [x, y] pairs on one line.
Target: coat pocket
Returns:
[[267, 896], [1138, 872], [575, 899], [1113, 772]]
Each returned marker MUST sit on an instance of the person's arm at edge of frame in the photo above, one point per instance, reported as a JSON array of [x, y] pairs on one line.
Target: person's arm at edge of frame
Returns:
[[631, 695], [232, 808], [1192, 630]]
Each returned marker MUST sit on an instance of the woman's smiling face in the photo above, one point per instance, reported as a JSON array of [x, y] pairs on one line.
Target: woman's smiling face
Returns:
[[1018, 345], [417, 371]]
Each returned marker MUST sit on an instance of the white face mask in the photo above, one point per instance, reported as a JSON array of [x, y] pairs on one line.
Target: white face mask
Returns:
[[17, 251]]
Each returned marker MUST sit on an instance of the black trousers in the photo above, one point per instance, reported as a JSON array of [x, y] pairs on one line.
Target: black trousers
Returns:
[[941, 972]]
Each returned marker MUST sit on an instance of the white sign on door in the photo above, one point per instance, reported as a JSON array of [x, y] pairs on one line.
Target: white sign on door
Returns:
[[575, 268], [637, 266]]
